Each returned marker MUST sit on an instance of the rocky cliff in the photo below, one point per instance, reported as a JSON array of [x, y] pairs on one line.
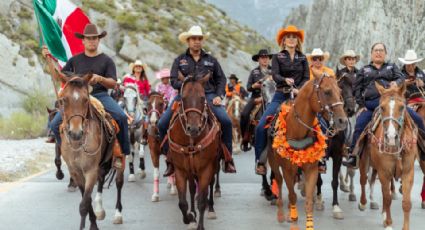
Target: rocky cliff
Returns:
[[336, 25], [146, 30]]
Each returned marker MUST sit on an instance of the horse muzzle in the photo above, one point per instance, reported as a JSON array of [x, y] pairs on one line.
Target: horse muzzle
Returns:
[[75, 135], [341, 123], [193, 130]]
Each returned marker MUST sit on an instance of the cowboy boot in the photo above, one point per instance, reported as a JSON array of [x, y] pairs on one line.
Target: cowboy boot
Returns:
[[50, 137], [229, 167], [170, 169], [352, 161], [260, 169]]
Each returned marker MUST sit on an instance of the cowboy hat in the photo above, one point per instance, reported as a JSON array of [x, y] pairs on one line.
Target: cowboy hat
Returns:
[[137, 63], [262, 52], [164, 73], [349, 53], [233, 76], [289, 30], [410, 58], [90, 30], [193, 31], [317, 52]]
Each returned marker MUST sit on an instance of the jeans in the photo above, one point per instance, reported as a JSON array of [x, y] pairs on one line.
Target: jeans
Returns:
[[112, 108]]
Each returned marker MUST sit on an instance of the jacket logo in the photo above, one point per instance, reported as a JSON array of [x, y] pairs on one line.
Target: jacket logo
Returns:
[[207, 63], [256, 71], [367, 70], [390, 67], [183, 62]]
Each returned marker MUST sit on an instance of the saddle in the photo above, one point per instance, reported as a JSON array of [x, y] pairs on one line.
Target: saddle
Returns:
[[109, 124]]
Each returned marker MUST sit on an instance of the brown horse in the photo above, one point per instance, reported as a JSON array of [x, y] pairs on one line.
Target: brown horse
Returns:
[[319, 95], [156, 106], [391, 150], [194, 139], [86, 149], [234, 110]]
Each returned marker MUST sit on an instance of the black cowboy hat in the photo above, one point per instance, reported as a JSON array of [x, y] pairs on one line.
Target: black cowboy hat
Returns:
[[233, 76], [262, 52], [90, 30]]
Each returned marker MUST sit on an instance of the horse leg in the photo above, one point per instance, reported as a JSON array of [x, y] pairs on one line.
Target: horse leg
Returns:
[[407, 177], [343, 181], [155, 155], [289, 174], [99, 210], [181, 182], [142, 167], [72, 185], [311, 172], [205, 180], [193, 189], [319, 199], [155, 195], [217, 192], [352, 195], [279, 203], [336, 167], [86, 202], [393, 192], [211, 212], [119, 182], [172, 182], [364, 166], [131, 177], [386, 197], [372, 180], [58, 162]]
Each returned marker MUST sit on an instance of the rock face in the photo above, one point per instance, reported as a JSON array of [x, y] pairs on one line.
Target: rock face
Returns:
[[336, 25]]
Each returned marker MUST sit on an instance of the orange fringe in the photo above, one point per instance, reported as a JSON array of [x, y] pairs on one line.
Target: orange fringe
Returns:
[[299, 157]]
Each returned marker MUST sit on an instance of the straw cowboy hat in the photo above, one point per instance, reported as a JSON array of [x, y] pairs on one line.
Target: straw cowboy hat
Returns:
[[289, 30], [317, 52], [164, 73], [263, 52], [193, 31], [90, 30], [137, 63], [410, 58], [349, 53]]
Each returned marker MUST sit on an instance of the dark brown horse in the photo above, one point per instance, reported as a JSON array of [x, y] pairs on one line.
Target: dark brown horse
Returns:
[[194, 139], [86, 148], [156, 106], [319, 95]]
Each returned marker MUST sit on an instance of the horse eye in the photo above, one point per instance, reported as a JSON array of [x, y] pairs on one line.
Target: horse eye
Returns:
[[401, 108]]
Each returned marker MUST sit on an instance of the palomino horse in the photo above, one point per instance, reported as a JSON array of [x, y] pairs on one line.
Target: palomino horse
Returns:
[[133, 107], [194, 140], [391, 150], [319, 95], [336, 145], [156, 106], [87, 148], [234, 109]]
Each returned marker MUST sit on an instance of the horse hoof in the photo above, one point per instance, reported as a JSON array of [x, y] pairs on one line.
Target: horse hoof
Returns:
[[273, 202], [59, 175], [394, 196], [155, 197], [131, 178], [168, 185], [212, 215], [93, 227], [118, 220], [280, 217], [374, 205], [423, 204], [338, 213], [142, 174], [320, 207], [217, 193], [72, 188], [352, 197], [173, 190], [344, 188], [362, 207], [100, 215], [192, 226], [389, 228]]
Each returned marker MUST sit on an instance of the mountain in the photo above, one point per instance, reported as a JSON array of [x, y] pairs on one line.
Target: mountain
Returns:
[[336, 25], [265, 16]]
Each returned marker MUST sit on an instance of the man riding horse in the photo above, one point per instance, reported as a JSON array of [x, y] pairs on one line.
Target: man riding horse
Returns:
[[367, 96], [414, 77], [195, 61], [104, 78], [257, 75], [234, 88]]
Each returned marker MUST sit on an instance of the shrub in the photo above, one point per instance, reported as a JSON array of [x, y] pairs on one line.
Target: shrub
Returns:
[[127, 21], [36, 103], [22, 125]]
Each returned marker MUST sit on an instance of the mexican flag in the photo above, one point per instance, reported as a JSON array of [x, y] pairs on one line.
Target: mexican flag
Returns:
[[58, 21]]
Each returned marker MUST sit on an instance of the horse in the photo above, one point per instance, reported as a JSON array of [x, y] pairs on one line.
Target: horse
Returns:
[[234, 109], [194, 140], [87, 148], [337, 143], [391, 149], [319, 95], [133, 106], [156, 106]]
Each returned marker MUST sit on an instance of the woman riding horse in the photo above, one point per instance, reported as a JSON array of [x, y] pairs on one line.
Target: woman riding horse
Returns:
[[290, 71]]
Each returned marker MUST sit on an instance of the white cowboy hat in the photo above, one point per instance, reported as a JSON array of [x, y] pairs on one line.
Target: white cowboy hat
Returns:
[[317, 52], [193, 31], [349, 53], [410, 58], [137, 63]]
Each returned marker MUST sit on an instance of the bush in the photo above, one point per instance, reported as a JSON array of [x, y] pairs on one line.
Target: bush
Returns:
[[22, 125], [36, 103], [25, 13], [127, 21], [26, 29]]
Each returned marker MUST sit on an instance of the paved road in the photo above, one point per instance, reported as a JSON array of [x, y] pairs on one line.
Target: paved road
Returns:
[[43, 203]]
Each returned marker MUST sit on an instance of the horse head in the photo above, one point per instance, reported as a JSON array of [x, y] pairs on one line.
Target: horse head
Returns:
[[75, 105], [268, 88], [346, 84], [156, 106], [327, 100], [194, 106], [131, 99], [392, 107]]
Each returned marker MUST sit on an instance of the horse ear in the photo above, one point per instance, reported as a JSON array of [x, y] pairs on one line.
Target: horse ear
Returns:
[[381, 89], [205, 78], [49, 110], [63, 76], [87, 77], [402, 89]]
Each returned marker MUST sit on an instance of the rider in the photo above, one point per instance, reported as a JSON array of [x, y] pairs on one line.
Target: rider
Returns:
[[289, 69], [367, 95], [233, 87], [138, 77], [349, 59], [104, 78], [258, 74], [165, 88], [195, 61], [414, 77]]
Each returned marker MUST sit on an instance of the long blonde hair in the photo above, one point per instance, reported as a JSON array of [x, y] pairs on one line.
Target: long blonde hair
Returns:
[[298, 47]]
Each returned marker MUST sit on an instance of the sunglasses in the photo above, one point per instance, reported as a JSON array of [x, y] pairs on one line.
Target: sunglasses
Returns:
[[317, 58]]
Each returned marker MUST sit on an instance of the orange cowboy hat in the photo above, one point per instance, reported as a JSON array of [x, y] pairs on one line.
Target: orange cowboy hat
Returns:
[[291, 29]]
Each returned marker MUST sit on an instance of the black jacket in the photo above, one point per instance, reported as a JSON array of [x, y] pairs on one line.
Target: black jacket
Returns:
[[254, 77], [353, 73], [364, 86], [283, 67], [187, 66], [412, 90]]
